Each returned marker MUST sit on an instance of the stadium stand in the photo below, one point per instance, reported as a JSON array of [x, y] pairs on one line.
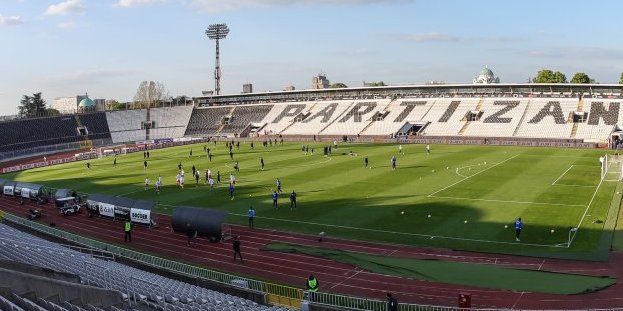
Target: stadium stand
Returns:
[[150, 289], [356, 118], [499, 118], [170, 122], [447, 116], [398, 112], [243, 116], [96, 124], [27, 133], [548, 118], [206, 121], [283, 115], [321, 115], [603, 116], [126, 125]]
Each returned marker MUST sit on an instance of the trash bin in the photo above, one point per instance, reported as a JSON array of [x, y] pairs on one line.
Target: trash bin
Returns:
[[465, 300]]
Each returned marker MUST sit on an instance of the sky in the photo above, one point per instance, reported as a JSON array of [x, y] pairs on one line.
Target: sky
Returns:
[[107, 47]]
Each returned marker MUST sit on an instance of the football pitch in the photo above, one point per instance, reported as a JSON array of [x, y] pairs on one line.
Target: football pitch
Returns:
[[460, 197]]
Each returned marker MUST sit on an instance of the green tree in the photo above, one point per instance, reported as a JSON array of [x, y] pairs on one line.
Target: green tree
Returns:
[[52, 112], [549, 76], [338, 85], [31, 106], [115, 105], [581, 78], [621, 79], [380, 83]]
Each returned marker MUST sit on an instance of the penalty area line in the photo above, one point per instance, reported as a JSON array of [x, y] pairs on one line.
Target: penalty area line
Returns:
[[470, 176]]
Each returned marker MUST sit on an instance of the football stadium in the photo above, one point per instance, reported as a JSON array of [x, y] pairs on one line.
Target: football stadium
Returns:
[[434, 196]]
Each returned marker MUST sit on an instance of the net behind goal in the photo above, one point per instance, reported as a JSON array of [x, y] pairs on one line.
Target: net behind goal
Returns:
[[111, 151], [611, 168]]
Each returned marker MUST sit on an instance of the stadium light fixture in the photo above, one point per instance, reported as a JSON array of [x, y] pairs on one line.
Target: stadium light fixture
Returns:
[[217, 32]]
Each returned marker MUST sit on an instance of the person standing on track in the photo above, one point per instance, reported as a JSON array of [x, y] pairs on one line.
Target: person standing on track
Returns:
[[392, 303], [312, 284], [191, 233], [236, 246], [127, 229], [518, 228]]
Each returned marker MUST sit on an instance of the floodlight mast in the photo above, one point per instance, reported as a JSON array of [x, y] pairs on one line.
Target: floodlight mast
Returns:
[[217, 32]]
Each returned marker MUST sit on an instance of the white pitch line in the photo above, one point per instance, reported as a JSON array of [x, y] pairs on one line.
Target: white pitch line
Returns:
[[396, 232], [563, 174], [584, 215], [466, 178], [505, 201], [568, 185]]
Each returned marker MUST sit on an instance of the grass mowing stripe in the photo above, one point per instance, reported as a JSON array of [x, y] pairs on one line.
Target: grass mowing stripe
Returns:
[[466, 178]]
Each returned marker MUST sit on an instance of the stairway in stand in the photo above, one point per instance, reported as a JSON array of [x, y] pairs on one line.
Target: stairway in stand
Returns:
[[574, 130]]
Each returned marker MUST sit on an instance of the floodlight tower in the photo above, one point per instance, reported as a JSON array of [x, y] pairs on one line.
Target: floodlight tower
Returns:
[[217, 32]]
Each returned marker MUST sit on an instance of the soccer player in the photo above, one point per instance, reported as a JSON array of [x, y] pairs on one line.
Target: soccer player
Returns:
[[237, 167], [158, 185], [146, 183], [518, 227], [262, 163], [194, 170], [211, 182], [275, 197], [393, 162], [251, 145], [231, 154], [400, 149], [89, 166], [365, 161], [179, 166], [427, 149], [210, 156], [191, 153], [251, 214], [218, 177], [144, 165], [114, 162], [278, 185], [231, 191], [197, 176], [182, 180], [293, 200]]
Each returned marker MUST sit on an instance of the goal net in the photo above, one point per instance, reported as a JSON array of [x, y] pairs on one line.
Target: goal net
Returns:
[[611, 168], [109, 151]]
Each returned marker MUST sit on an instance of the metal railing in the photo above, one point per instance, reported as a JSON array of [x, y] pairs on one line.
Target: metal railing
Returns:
[[277, 294]]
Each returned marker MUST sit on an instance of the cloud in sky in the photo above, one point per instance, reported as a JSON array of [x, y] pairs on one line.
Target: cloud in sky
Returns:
[[131, 3], [66, 7], [10, 20], [67, 25], [431, 37], [215, 6]]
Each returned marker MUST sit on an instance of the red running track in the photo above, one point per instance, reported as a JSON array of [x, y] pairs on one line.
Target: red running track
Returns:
[[293, 269]]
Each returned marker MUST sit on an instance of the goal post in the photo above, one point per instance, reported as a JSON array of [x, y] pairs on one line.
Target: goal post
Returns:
[[611, 168], [108, 151]]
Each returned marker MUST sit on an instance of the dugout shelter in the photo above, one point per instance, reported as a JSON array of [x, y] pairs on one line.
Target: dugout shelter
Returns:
[[207, 222]]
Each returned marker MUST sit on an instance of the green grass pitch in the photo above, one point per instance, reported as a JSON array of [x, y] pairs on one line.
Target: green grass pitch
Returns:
[[473, 194]]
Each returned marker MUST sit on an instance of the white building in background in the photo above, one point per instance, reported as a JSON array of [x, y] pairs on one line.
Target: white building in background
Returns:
[[71, 104], [67, 104], [486, 76]]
